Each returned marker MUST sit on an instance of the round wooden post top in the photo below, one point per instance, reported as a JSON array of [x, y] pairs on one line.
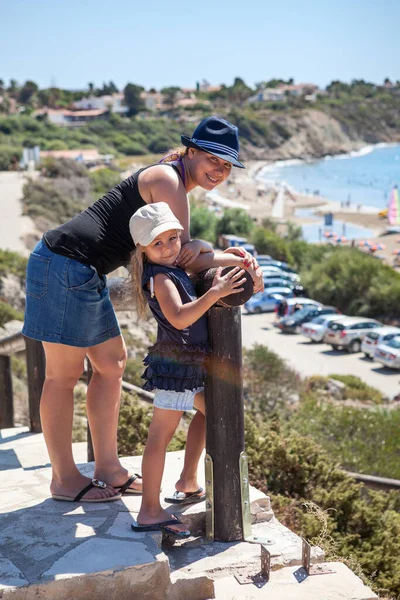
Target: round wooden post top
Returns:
[[203, 282]]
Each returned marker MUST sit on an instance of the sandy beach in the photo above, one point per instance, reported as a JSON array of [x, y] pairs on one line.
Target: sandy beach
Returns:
[[246, 189]]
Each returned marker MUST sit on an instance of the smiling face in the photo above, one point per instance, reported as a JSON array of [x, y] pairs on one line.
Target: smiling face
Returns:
[[207, 170], [165, 248]]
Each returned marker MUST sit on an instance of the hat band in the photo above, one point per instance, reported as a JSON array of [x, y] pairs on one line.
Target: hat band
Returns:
[[214, 147]]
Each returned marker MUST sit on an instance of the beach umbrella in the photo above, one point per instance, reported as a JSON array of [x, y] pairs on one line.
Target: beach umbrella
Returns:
[[365, 243], [329, 234], [396, 252], [341, 239], [381, 247]]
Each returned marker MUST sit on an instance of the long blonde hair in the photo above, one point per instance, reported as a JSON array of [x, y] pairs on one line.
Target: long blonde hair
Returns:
[[138, 260], [174, 154]]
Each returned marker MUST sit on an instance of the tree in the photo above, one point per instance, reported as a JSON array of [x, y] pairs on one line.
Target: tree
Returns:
[[91, 88], [1, 86], [171, 95], [235, 221], [133, 100], [27, 92], [13, 88]]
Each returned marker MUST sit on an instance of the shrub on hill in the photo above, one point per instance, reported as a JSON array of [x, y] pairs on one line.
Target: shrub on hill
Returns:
[[9, 157], [234, 221], [8, 313], [268, 242]]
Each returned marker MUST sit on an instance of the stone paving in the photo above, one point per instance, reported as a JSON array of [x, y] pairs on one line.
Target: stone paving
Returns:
[[65, 550]]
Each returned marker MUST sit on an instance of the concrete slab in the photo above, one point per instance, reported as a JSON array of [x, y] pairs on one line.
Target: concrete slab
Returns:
[[341, 585]]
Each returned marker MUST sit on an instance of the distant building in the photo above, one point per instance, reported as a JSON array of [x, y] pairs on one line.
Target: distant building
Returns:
[[114, 103], [88, 156], [153, 101], [282, 91], [71, 118]]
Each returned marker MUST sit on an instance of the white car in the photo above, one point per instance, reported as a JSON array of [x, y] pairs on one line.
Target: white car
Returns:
[[316, 328], [291, 302], [375, 338], [388, 354]]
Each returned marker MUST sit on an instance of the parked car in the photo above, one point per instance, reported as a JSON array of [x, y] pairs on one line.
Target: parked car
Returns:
[[376, 337], [269, 282], [263, 259], [388, 353], [316, 328], [267, 300], [293, 323], [292, 302], [348, 333], [276, 272], [277, 263]]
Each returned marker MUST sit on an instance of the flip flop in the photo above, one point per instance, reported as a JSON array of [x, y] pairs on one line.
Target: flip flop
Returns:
[[95, 483], [163, 526], [126, 489], [186, 498]]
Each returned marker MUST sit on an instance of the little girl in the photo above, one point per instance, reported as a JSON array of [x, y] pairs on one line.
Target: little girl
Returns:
[[175, 364]]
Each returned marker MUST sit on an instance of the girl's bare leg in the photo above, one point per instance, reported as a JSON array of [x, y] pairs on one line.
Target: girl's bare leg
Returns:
[[103, 401], [64, 365], [195, 444], [162, 428]]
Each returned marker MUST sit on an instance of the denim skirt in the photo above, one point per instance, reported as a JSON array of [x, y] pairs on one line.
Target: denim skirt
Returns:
[[67, 302]]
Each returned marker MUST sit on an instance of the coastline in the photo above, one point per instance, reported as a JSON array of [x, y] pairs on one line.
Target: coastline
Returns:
[[248, 188]]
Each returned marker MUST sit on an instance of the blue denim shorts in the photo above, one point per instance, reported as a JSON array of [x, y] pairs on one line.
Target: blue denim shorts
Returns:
[[67, 302]]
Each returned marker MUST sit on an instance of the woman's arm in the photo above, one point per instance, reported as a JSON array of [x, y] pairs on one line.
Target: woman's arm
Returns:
[[183, 315]]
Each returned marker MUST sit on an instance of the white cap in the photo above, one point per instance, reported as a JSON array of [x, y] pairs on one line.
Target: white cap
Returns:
[[151, 220]]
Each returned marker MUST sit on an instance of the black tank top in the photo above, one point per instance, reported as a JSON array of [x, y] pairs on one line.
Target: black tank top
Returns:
[[99, 235]]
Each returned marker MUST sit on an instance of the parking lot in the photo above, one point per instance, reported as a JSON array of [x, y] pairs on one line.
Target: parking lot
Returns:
[[316, 359]]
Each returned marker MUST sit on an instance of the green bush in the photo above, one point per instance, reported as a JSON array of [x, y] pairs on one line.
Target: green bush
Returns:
[[103, 180], [12, 262], [356, 389], [62, 167], [8, 313], [203, 223], [9, 157], [268, 242], [234, 221]]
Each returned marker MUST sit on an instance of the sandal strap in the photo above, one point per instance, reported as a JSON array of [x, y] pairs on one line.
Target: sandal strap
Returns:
[[128, 483], [94, 483]]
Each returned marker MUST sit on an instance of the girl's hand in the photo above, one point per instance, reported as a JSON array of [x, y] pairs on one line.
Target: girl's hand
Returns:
[[229, 283], [189, 252]]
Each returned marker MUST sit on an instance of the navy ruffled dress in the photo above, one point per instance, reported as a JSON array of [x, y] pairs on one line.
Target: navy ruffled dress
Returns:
[[177, 360]]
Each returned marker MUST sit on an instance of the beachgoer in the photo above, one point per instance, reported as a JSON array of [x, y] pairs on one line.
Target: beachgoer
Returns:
[[282, 308], [68, 306], [175, 364]]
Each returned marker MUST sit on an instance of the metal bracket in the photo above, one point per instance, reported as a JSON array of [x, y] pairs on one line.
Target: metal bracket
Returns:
[[209, 473], [246, 514], [261, 578], [307, 570]]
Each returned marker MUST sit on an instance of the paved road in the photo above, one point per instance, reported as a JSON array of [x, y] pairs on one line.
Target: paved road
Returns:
[[13, 226], [316, 359]]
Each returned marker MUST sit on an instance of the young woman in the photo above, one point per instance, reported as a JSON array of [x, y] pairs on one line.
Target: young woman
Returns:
[[68, 306]]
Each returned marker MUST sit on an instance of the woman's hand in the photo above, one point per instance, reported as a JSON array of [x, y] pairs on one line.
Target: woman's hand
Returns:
[[189, 252], [229, 283], [251, 265], [248, 259]]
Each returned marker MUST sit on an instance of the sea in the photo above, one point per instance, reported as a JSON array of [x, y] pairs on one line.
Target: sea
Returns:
[[362, 178]]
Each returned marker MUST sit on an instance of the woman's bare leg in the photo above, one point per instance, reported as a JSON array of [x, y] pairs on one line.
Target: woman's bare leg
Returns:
[[196, 440], [64, 365], [162, 428], [103, 401]]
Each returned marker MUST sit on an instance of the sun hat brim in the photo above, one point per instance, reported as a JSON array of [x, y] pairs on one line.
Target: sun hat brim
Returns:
[[187, 141], [145, 240]]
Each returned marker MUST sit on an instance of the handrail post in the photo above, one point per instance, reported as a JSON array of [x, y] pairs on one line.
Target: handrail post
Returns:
[[6, 393], [225, 411], [36, 367]]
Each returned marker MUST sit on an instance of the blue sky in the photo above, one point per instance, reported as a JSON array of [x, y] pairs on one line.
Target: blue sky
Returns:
[[160, 43]]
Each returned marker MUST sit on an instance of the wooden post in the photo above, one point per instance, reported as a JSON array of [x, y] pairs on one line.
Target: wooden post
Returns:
[[225, 420], [36, 367], [224, 408], [6, 393], [90, 451]]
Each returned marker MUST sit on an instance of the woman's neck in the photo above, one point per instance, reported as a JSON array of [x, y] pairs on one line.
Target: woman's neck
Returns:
[[188, 180]]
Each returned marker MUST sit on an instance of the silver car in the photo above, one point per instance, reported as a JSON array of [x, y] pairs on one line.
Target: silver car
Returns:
[[388, 354], [348, 333], [374, 338], [316, 328]]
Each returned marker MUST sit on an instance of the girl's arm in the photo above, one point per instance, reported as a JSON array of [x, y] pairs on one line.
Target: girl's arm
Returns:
[[183, 315], [223, 259]]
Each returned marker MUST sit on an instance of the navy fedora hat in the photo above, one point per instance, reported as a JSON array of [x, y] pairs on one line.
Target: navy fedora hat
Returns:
[[218, 137]]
